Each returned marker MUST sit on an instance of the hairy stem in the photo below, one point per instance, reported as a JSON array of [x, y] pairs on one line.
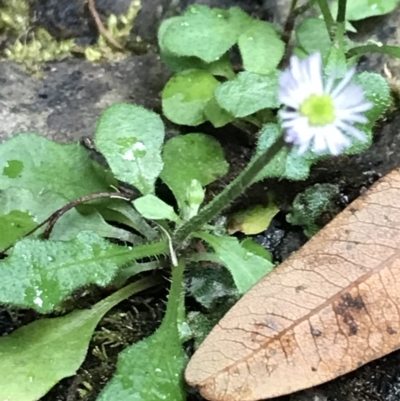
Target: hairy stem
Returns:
[[231, 192], [326, 13]]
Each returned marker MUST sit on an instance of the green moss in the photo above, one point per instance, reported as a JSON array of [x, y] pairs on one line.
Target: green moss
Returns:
[[14, 17], [43, 47], [119, 27], [40, 47]]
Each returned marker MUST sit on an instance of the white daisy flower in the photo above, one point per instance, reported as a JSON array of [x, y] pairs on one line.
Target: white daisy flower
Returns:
[[320, 115]]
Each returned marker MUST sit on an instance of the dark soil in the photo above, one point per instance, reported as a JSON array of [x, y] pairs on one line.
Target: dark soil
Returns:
[[65, 105]]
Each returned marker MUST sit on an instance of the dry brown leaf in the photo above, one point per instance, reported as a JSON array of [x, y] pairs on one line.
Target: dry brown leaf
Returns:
[[331, 307]]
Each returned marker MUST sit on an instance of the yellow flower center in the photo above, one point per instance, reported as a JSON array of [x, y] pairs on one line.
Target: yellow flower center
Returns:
[[319, 110]]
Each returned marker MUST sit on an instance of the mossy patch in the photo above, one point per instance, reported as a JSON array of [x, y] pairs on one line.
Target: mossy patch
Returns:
[[34, 46]]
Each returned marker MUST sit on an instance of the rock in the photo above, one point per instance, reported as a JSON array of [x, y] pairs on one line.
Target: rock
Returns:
[[66, 104]]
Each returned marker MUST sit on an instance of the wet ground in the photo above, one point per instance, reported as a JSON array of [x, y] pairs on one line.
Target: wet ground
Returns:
[[66, 101]]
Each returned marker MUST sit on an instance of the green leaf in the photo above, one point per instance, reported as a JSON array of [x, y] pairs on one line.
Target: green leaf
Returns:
[[203, 32], [37, 356], [188, 157], [248, 93], [216, 114], [40, 274], [287, 163], [252, 220], [377, 90], [210, 285], [311, 204], [186, 95], [361, 9], [21, 211], [152, 369], [393, 51], [130, 137], [261, 48], [245, 267], [37, 164], [313, 36], [125, 213], [250, 245], [15, 219], [175, 63], [221, 67], [153, 208]]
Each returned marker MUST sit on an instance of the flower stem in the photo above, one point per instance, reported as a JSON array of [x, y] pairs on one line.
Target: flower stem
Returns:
[[326, 13], [231, 192], [341, 15], [293, 5], [340, 20]]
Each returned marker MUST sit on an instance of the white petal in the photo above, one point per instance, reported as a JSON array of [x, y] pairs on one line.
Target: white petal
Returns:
[[336, 142], [360, 108], [319, 145], [329, 84], [315, 73], [351, 117], [344, 82], [289, 115], [350, 129]]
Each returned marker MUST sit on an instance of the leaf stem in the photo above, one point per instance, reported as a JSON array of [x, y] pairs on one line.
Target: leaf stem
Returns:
[[231, 192]]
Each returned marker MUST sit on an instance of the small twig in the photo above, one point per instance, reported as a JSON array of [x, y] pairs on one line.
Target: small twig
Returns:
[[100, 26], [51, 220], [289, 26], [56, 215]]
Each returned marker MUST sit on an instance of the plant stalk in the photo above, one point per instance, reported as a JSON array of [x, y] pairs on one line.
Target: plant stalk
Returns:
[[326, 13], [230, 193], [340, 25]]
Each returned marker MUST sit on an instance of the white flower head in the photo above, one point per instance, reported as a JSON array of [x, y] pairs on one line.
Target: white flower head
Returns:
[[320, 115]]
